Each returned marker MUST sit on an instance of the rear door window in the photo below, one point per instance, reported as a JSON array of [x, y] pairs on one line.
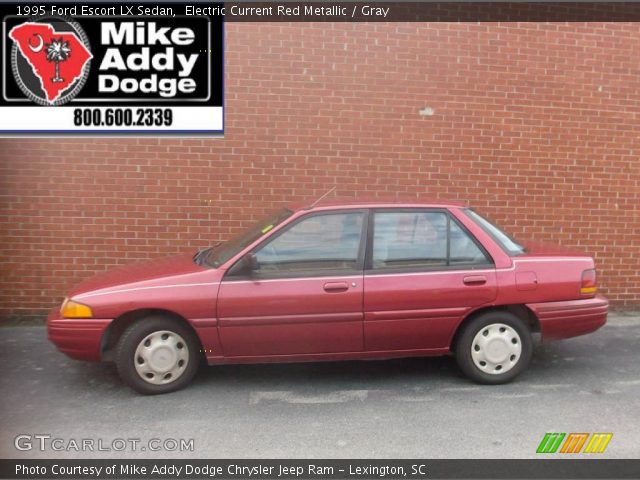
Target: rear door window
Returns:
[[422, 240]]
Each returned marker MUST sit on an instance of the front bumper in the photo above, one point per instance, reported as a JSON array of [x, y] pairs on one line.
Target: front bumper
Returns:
[[77, 338], [570, 318]]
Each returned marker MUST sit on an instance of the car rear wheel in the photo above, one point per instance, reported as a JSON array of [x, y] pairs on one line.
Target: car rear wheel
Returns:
[[157, 355], [494, 348]]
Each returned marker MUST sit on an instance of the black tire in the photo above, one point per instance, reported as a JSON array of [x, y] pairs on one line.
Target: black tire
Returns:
[[133, 336], [487, 324]]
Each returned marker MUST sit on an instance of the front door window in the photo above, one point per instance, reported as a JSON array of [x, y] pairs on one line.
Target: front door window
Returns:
[[328, 242]]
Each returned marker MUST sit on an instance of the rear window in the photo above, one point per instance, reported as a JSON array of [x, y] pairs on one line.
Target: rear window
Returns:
[[507, 243]]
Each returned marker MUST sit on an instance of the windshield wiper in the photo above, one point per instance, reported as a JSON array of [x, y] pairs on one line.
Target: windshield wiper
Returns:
[[199, 257]]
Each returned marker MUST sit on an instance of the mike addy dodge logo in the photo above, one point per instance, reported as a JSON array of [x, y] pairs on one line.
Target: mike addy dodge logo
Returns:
[[574, 443], [110, 74], [53, 60]]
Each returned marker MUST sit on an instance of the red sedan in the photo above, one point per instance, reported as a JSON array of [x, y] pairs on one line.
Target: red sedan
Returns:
[[335, 282]]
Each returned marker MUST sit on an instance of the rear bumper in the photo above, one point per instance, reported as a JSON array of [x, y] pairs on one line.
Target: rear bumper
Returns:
[[570, 318], [77, 338]]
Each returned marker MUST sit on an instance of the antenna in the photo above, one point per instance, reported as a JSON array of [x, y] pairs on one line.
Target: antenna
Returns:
[[322, 197]]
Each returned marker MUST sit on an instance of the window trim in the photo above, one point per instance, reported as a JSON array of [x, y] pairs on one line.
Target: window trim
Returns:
[[357, 270], [490, 261], [369, 270], [495, 239]]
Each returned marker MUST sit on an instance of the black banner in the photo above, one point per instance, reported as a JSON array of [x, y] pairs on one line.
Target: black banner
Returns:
[[336, 11], [317, 469], [208, 42]]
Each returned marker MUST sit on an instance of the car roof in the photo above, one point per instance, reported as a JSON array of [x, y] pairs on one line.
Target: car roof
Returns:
[[337, 204]]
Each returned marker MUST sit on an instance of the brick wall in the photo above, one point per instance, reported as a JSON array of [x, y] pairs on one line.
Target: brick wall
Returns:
[[535, 125]]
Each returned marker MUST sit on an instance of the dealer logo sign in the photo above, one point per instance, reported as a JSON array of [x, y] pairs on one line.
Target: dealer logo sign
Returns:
[[171, 63], [51, 59]]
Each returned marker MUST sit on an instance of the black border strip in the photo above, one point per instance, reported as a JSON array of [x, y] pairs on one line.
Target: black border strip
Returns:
[[585, 468], [407, 11]]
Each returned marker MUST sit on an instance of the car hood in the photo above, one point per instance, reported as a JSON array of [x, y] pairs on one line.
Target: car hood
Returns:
[[541, 249], [140, 272]]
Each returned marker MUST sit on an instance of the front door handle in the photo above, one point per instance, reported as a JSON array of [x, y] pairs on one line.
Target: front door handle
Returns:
[[475, 280], [336, 286]]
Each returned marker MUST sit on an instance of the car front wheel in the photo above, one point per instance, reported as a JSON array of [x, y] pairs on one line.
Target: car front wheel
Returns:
[[494, 348], [157, 355]]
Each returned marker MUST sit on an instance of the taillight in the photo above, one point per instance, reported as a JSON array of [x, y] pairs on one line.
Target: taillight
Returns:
[[588, 285]]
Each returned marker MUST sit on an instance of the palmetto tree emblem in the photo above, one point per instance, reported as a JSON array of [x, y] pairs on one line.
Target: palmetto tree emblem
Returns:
[[58, 51]]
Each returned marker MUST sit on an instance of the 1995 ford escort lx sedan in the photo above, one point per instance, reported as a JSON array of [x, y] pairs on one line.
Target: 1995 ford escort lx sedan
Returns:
[[335, 282]]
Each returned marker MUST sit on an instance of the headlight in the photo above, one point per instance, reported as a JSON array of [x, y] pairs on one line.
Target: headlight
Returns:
[[71, 309]]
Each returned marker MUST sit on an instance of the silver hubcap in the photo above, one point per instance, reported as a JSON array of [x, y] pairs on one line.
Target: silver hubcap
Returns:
[[161, 357], [496, 348]]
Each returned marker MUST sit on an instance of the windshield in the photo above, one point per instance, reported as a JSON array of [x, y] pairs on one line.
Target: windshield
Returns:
[[227, 250], [507, 243]]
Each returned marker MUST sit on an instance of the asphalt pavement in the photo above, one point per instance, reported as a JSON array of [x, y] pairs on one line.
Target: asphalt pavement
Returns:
[[409, 408]]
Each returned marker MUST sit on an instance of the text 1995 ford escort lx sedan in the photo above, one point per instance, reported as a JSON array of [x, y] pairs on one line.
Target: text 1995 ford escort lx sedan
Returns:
[[335, 282]]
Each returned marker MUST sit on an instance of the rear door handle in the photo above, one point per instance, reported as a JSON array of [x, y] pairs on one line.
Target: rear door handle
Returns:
[[475, 280], [336, 286]]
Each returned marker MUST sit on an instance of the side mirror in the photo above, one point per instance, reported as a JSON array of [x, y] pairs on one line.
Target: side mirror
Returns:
[[250, 262]]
